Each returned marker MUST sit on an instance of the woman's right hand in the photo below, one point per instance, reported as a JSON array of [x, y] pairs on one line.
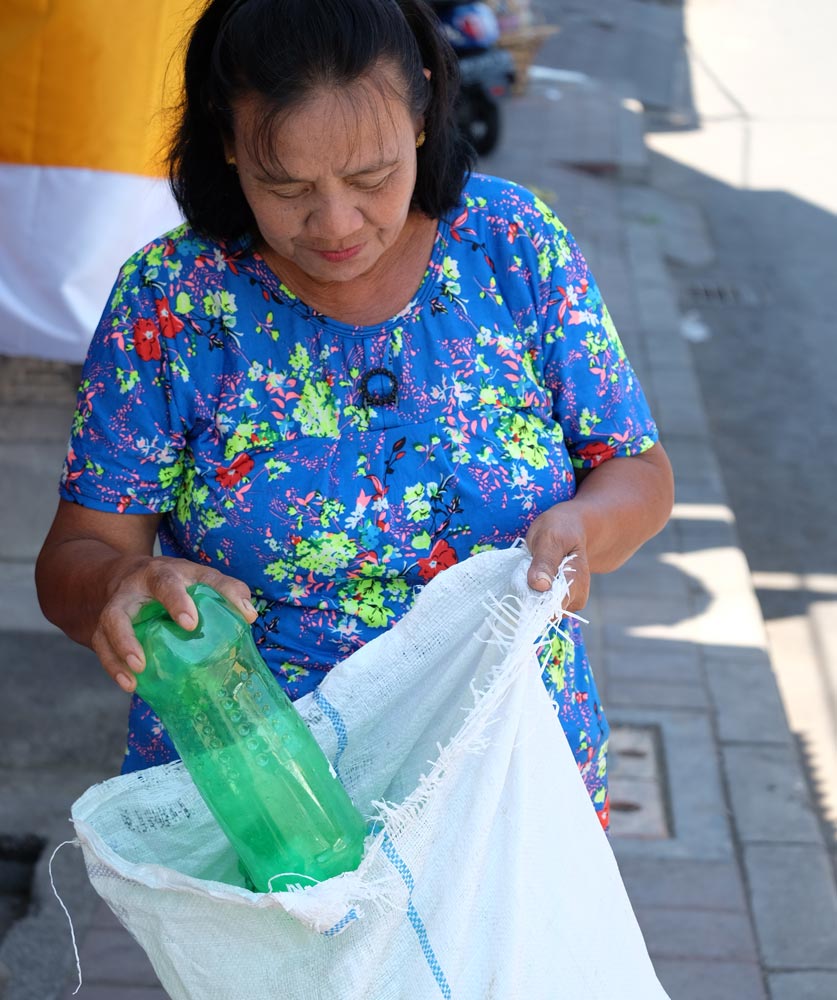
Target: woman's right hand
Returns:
[[95, 571], [154, 578]]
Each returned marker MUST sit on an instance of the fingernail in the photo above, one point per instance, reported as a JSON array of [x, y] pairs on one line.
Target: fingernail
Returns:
[[249, 609], [135, 663], [125, 682], [185, 621]]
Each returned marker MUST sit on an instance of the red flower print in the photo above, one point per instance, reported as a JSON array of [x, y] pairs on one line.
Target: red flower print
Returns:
[[170, 324], [597, 452], [241, 466], [147, 340], [604, 814], [441, 557]]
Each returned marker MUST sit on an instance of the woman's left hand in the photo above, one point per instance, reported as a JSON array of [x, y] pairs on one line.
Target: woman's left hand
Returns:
[[619, 505], [557, 533]]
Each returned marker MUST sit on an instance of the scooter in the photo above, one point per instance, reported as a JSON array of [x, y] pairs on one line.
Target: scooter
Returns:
[[486, 70]]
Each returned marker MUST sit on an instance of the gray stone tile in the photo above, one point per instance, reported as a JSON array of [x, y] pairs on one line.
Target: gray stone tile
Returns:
[[678, 409], [635, 693], [693, 458], [794, 905], [644, 576], [684, 233], [747, 702], [633, 610], [657, 665], [697, 934], [699, 885], [701, 980], [30, 495], [93, 709], [696, 535], [42, 423], [699, 490], [19, 607], [803, 985], [769, 795]]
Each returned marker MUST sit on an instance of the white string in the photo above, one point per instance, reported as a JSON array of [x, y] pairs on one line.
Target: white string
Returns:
[[75, 843]]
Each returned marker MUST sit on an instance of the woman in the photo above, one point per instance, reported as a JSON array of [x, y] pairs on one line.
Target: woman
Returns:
[[356, 365]]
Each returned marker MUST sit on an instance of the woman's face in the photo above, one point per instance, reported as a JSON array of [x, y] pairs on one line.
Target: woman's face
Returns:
[[335, 198]]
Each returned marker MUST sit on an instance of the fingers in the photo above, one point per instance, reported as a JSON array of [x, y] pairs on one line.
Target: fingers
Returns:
[[235, 591], [119, 668], [552, 537], [541, 577], [164, 580]]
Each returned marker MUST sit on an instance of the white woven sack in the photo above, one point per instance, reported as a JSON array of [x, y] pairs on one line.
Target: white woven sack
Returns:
[[487, 874]]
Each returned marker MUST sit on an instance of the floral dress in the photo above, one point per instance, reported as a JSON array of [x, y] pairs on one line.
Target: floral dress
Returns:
[[213, 396]]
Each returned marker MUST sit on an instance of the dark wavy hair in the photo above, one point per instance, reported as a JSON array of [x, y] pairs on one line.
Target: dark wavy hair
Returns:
[[281, 50]]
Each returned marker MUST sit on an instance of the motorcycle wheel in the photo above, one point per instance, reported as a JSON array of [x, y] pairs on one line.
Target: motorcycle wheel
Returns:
[[479, 119]]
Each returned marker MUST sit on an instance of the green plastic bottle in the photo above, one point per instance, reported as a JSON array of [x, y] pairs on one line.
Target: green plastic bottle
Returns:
[[254, 761]]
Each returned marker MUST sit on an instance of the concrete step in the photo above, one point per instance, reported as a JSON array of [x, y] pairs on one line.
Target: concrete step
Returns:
[[633, 40], [582, 123]]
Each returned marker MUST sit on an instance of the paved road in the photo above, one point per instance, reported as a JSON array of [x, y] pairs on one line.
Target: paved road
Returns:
[[760, 167], [741, 124]]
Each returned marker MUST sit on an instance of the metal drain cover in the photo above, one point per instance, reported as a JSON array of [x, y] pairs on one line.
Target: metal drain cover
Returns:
[[636, 779], [721, 292]]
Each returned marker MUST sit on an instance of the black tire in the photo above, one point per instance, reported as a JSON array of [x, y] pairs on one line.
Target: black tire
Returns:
[[479, 119]]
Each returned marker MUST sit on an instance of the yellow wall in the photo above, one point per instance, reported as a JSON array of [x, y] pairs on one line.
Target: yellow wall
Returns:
[[84, 83]]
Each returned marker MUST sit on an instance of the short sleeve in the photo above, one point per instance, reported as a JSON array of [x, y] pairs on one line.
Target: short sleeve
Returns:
[[126, 450], [597, 397]]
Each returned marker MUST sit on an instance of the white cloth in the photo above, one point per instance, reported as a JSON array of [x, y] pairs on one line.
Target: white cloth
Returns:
[[487, 874], [66, 232]]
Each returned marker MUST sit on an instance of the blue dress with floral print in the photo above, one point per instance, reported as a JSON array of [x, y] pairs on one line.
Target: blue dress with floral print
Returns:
[[213, 396]]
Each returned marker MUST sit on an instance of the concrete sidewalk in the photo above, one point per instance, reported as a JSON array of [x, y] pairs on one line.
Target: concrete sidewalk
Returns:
[[716, 836]]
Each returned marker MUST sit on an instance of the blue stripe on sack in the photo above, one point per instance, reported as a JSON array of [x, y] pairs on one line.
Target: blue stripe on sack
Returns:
[[415, 919], [336, 719], [341, 924]]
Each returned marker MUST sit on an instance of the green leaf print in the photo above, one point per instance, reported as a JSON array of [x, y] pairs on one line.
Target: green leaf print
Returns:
[[221, 305], [482, 547], [544, 263], [450, 276], [211, 518], [417, 505], [275, 468], [127, 379], [299, 361], [280, 570], [154, 257], [595, 343], [520, 435], [316, 411], [358, 416], [587, 421], [185, 495], [422, 541], [554, 657], [248, 435], [183, 303], [169, 474], [326, 553], [365, 599], [396, 339], [612, 335]]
